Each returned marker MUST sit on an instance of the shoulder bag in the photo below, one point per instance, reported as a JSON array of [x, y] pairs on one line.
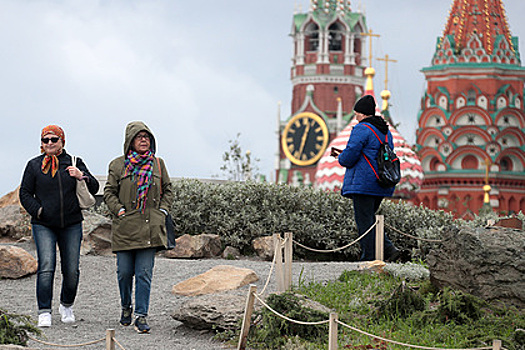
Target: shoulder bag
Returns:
[[85, 198], [170, 225]]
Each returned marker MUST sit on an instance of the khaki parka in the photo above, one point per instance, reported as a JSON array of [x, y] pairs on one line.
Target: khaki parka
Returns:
[[134, 229]]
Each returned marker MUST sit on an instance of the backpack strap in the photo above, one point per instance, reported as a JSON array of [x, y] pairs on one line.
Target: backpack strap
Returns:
[[364, 155]]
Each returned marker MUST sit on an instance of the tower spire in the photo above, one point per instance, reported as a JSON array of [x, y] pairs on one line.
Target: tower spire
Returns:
[[385, 94], [370, 72], [484, 18]]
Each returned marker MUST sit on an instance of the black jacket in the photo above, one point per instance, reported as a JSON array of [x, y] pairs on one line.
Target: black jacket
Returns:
[[55, 195]]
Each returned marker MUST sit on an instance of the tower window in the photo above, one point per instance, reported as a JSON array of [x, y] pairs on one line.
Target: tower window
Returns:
[[336, 89], [312, 37], [471, 98], [335, 37], [505, 164]]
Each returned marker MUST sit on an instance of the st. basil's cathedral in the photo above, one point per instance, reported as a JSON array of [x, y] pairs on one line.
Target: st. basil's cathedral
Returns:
[[470, 143]]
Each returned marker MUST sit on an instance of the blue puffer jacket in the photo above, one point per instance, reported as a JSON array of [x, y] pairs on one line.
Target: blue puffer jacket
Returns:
[[359, 176]]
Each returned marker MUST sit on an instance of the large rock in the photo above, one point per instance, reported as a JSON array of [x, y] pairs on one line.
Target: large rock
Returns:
[[16, 262], [96, 234], [195, 247], [222, 311], [14, 223], [486, 262], [263, 247], [218, 279], [11, 198]]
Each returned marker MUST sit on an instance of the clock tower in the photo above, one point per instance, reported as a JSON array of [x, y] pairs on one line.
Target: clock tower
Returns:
[[471, 138], [327, 78]]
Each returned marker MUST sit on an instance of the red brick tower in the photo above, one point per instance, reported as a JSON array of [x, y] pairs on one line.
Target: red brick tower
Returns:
[[327, 77], [471, 138]]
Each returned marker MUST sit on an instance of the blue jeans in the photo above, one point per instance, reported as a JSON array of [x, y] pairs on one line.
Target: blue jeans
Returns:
[[46, 240], [138, 263], [365, 208]]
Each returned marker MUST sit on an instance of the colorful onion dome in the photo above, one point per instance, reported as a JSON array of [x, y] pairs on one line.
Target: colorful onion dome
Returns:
[[330, 173]]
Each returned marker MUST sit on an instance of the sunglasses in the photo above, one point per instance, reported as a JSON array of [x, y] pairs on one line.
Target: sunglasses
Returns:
[[52, 139]]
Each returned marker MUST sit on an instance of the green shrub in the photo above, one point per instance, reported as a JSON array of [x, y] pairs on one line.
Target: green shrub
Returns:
[[274, 331], [242, 211], [14, 329]]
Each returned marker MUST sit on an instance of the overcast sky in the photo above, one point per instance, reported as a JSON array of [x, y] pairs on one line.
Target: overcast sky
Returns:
[[197, 72]]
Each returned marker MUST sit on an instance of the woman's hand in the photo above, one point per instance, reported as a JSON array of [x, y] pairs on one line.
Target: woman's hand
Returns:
[[74, 172]]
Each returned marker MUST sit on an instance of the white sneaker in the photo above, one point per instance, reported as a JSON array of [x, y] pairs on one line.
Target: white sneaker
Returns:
[[67, 314], [44, 320]]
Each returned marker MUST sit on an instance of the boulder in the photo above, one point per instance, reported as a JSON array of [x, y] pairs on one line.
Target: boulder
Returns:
[[486, 262], [195, 247], [16, 262], [96, 234], [263, 246], [218, 279], [222, 311], [14, 223], [231, 253], [11, 198]]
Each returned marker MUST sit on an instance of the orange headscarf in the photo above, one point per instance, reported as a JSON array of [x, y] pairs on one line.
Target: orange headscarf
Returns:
[[51, 161]]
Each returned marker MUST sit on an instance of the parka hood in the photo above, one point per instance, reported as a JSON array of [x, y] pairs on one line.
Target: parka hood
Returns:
[[378, 122], [132, 129]]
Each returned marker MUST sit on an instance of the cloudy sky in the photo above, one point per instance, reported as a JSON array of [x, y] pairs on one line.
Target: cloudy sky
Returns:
[[197, 72]]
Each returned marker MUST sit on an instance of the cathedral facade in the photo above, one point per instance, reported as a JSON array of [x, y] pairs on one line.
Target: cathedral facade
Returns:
[[471, 138]]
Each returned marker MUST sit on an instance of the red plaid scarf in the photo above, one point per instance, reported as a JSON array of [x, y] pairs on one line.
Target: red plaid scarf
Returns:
[[140, 166]]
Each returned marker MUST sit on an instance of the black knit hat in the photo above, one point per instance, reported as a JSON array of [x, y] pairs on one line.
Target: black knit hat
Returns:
[[366, 105]]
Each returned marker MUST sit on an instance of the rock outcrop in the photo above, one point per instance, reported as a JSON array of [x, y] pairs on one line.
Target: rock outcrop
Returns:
[[196, 247], [218, 279], [14, 223], [222, 311], [16, 262], [486, 262]]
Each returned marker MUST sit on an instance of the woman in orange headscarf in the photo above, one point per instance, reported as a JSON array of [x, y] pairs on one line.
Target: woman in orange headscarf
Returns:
[[48, 193]]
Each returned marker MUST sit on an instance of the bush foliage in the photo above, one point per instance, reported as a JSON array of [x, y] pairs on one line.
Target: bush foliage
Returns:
[[242, 211]]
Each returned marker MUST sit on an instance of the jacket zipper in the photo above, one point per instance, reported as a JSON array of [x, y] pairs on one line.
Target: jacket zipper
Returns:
[[61, 199]]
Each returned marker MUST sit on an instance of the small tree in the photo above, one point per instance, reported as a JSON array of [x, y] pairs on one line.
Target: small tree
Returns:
[[239, 166]]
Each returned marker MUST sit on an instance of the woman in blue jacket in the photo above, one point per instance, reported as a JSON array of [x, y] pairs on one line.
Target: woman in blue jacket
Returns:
[[360, 182], [48, 194]]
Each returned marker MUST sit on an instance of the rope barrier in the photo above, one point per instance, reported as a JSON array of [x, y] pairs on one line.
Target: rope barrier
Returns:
[[290, 319], [270, 274], [404, 344], [337, 249], [66, 346], [118, 344], [414, 237]]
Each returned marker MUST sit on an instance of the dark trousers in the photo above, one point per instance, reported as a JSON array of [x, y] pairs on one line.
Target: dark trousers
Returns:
[[365, 208]]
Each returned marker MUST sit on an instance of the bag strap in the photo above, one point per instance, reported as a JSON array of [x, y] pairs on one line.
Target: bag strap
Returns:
[[364, 155], [386, 135], [160, 171]]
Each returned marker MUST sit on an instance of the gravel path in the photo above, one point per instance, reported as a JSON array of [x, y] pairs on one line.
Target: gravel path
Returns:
[[97, 305]]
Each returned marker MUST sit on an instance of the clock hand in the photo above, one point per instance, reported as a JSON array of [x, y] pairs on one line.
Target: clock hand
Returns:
[[303, 139]]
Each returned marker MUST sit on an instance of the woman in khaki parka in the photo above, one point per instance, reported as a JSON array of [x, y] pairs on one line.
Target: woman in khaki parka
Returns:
[[138, 193]]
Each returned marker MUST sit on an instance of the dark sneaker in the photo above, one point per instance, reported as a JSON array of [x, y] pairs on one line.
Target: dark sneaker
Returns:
[[141, 325], [400, 256], [125, 317]]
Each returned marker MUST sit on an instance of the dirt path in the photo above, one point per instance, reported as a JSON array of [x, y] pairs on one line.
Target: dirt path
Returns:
[[97, 305]]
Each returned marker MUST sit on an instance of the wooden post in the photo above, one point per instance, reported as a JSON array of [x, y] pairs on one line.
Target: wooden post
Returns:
[[332, 332], [247, 320], [110, 343], [288, 257], [279, 274], [496, 344], [380, 237]]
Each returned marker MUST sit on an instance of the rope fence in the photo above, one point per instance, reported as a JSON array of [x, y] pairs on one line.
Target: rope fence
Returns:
[[333, 323], [283, 277], [109, 339]]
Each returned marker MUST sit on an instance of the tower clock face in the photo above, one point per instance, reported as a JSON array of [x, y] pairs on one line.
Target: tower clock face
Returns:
[[305, 138]]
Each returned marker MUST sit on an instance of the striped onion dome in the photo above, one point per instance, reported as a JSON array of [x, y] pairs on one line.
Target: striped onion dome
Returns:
[[330, 174]]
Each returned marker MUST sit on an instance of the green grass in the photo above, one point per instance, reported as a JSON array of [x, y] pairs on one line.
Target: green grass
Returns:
[[411, 312]]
